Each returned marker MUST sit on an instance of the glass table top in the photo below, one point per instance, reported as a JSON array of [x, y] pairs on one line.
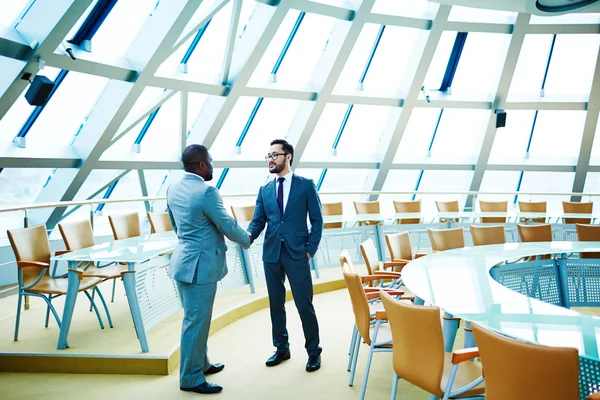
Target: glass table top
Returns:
[[136, 249], [459, 282]]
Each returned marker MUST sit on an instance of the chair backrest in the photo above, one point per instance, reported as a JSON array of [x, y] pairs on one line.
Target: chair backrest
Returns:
[[408, 207], [367, 207], [125, 225], [588, 233], [447, 206], [511, 367], [418, 354], [370, 255], [535, 233], [446, 239], [577, 208], [31, 244], [77, 235], [332, 209], [399, 246], [159, 222], [360, 304], [243, 213], [533, 206], [490, 234], [493, 206]]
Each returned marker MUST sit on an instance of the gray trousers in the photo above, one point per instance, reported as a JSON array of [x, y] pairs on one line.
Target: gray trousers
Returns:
[[198, 301]]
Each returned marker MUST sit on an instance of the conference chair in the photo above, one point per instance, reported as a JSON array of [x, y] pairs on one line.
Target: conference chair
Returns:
[[447, 206], [446, 239], [332, 209], [533, 207], [570, 207], [159, 222], [408, 207], [243, 213], [400, 247], [493, 206], [588, 233], [488, 234], [125, 226], [367, 207]]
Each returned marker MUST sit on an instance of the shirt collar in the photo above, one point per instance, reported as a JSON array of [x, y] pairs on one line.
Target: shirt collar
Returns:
[[287, 177], [194, 175]]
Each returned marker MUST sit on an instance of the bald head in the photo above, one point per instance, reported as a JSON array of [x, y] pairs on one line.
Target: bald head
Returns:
[[197, 160]]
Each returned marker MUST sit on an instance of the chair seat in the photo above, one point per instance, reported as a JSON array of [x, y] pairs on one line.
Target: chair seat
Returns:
[[467, 372], [110, 272], [48, 285], [384, 335]]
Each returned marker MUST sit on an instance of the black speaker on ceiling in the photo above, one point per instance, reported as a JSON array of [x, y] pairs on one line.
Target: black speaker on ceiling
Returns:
[[500, 118], [39, 91]]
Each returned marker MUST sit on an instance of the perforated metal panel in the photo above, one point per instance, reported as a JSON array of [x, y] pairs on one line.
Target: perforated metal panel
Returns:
[[583, 282], [336, 240], [158, 294], [537, 279], [589, 377], [236, 276], [564, 233]]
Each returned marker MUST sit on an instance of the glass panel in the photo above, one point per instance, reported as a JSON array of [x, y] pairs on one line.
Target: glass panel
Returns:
[[592, 185], [309, 173], [121, 26], [595, 156], [12, 10], [573, 64], [272, 121], [67, 110], [146, 100], [344, 180], [406, 8], [557, 136], [499, 181], [326, 129], [573, 18], [17, 114], [417, 135], [195, 103], [10, 69], [127, 188], [468, 14], [481, 64], [444, 181], [398, 180], [243, 181], [439, 62], [302, 57], [459, 134], [349, 78], [547, 182], [529, 72], [510, 143]]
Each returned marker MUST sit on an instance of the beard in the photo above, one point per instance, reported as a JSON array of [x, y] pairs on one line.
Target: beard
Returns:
[[275, 168], [209, 177]]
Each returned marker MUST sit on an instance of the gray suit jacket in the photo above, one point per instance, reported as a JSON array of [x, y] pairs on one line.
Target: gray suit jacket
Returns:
[[200, 221]]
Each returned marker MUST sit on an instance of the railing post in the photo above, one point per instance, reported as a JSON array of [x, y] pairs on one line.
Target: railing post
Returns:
[[246, 261], [26, 225], [92, 216]]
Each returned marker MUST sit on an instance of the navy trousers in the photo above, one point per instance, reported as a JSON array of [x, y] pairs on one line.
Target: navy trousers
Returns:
[[298, 273]]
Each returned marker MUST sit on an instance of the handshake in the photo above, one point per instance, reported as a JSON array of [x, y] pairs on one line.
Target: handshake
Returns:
[[251, 241]]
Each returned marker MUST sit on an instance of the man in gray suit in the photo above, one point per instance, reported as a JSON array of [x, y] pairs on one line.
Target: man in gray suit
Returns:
[[284, 204], [198, 262]]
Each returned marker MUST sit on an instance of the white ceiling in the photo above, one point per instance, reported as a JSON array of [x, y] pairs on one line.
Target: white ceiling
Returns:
[[528, 6]]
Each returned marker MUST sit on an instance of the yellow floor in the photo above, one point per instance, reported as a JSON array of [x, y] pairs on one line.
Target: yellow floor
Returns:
[[243, 346]]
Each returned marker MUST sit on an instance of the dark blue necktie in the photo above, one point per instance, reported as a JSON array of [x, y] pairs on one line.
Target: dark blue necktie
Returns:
[[280, 194]]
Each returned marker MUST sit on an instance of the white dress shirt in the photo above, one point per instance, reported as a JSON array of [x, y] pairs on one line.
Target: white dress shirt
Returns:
[[287, 185], [189, 173]]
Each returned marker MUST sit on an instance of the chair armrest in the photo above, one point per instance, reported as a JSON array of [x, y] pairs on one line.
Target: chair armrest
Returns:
[[381, 315], [24, 264], [61, 252], [127, 272], [390, 274], [594, 396], [375, 295], [78, 271], [463, 355], [419, 255], [394, 264], [377, 277], [401, 260]]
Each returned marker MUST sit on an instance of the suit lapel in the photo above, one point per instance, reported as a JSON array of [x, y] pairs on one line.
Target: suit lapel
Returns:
[[293, 189]]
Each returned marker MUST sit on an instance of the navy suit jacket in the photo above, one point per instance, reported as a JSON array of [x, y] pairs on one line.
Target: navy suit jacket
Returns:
[[291, 227]]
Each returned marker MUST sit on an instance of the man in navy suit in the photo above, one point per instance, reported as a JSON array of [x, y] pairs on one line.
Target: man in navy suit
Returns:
[[283, 204]]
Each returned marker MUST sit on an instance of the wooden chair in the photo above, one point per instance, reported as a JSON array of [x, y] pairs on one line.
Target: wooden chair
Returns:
[[79, 235], [331, 209], [125, 225], [534, 207], [243, 213], [408, 207], [483, 235], [577, 208], [535, 233], [446, 239], [448, 206], [512, 368], [159, 222], [367, 207], [588, 233], [493, 206], [32, 252], [371, 257], [419, 357], [400, 247]]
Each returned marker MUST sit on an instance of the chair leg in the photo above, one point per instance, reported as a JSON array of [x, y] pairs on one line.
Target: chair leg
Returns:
[[95, 309], [112, 299], [367, 370], [18, 317], [48, 310], [93, 292], [51, 308], [352, 345], [394, 387], [110, 324], [355, 360]]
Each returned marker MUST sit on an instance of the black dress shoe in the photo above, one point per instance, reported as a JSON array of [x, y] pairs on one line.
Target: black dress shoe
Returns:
[[277, 358], [204, 388], [313, 364], [214, 369]]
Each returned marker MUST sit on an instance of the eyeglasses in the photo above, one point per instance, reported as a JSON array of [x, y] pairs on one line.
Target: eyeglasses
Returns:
[[273, 156]]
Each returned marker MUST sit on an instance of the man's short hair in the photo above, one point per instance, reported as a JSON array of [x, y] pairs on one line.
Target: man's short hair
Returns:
[[192, 155], [287, 148]]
